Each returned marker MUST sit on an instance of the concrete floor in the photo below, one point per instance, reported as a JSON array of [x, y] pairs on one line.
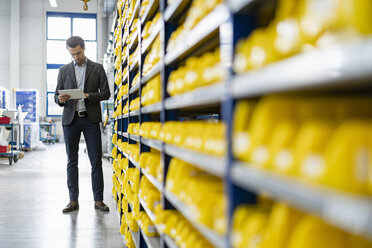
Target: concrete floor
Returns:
[[33, 193]]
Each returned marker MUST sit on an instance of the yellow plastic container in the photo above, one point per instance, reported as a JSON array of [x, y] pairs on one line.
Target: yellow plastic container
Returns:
[[311, 232], [347, 157]]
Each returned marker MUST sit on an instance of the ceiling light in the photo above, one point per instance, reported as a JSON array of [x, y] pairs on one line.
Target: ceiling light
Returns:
[[53, 3]]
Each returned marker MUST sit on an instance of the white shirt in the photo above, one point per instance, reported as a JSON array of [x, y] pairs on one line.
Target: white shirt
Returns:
[[80, 80]]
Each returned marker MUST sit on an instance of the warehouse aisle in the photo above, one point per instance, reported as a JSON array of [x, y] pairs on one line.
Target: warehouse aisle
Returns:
[[33, 193]]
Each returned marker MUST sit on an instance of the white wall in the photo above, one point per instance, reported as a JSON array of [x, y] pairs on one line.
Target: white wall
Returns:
[[5, 43], [31, 47]]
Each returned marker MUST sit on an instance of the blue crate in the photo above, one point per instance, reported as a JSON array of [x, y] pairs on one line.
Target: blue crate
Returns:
[[29, 100]]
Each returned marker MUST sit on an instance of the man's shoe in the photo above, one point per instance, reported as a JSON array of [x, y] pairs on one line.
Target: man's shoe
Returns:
[[101, 206], [72, 206]]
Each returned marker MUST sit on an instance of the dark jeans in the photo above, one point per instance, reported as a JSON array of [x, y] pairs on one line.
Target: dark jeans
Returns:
[[92, 135]]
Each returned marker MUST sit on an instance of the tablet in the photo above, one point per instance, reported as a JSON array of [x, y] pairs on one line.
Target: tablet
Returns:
[[74, 93]]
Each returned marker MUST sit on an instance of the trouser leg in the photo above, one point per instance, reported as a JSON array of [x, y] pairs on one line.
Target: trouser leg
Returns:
[[92, 135], [72, 134]]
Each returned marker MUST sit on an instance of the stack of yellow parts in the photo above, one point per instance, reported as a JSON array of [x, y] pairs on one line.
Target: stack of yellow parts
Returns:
[[133, 58], [118, 78], [133, 151], [201, 136], [125, 108], [146, 225], [177, 227], [280, 226], [128, 219], [198, 10], [129, 239], [197, 72], [149, 27], [123, 90], [129, 190], [153, 57], [119, 5], [118, 58], [133, 32], [151, 92], [201, 192], [301, 25], [144, 6], [149, 194], [131, 186], [135, 80], [150, 130], [124, 53], [325, 140], [150, 163], [133, 128], [120, 93], [134, 104], [131, 5]]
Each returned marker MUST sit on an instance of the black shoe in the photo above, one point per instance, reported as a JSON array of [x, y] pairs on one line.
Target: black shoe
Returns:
[[101, 206], [72, 206]]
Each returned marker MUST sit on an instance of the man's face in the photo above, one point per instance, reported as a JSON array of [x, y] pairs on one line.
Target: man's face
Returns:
[[77, 53]]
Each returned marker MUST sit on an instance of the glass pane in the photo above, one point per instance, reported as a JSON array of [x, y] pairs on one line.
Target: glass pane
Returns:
[[59, 27], [85, 28], [57, 52], [91, 50], [52, 75], [53, 108]]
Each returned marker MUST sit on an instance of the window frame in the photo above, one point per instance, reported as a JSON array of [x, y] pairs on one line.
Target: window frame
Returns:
[[57, 66]]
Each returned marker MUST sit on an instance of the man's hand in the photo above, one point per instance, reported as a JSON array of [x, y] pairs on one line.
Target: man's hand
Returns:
[[63, 98], [86, 95]]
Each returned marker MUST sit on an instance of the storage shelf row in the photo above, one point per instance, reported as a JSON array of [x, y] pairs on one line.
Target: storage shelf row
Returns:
[[148, 211], [239, 5], [175, 9], [135, 236], [134, 14], [348, 211], [156, 144], [346, 64], [134, 162], [134, 88], [153, 108], [155, 241], [134, 42], [152, 242], [213, 164], [202, 30], [156, 30], [134, 66], [155, 70], [213, 237], [199, 97], [343, 64], [153, 180], [134, 137], [170, 242], [150, 9]]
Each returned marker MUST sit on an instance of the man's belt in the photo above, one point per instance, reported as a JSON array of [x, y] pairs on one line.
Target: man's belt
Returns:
[[81, 113]]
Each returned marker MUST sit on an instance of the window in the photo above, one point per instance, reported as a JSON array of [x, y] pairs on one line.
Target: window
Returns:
[[60, 26]]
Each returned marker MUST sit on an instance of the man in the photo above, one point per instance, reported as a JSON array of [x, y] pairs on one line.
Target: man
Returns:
[[82, 115]]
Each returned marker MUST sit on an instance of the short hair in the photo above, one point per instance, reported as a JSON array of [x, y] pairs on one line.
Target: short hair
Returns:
[[75, 41]]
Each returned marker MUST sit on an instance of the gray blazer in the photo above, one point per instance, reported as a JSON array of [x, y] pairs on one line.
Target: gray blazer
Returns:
[[95, 85]]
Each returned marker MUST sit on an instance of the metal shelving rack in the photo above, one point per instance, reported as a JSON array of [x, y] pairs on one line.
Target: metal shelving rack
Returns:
[[230, 22], [12, 154]]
